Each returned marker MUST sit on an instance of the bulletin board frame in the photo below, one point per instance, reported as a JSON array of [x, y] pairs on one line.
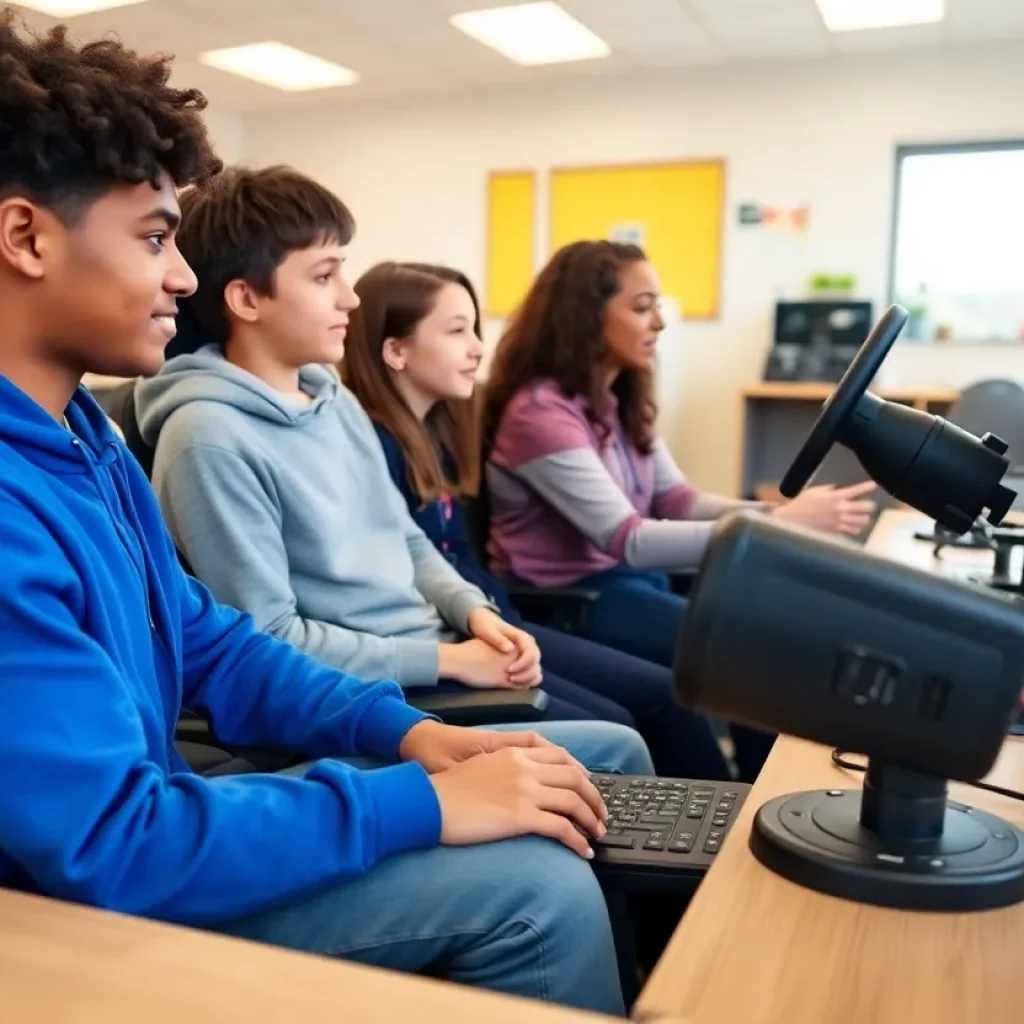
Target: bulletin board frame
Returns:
[[510, 262]]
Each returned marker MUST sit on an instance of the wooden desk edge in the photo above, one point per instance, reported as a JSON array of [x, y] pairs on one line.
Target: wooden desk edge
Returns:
[[59, 961], [815, 390]]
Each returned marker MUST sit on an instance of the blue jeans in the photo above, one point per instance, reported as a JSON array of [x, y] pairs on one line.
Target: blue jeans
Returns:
[[525, 917]]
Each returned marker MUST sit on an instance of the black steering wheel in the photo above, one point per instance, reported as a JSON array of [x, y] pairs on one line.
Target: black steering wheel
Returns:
[[841, 403]]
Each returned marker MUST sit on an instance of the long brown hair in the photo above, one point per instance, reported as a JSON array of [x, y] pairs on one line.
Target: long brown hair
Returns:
[[393, 299], [558, 334]]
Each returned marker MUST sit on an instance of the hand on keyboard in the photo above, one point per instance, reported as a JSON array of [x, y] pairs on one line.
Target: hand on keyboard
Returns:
[[520, 791]]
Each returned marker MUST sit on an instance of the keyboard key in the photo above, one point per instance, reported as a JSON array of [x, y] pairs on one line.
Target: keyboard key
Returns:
[[656, 841], [680, 846], [695, 812], [730, 794], [719, 822], [672, 808], [617, 842], [686, 837], [711, 846], [703, 791], [726, 805], [659, 820], [716, 837]]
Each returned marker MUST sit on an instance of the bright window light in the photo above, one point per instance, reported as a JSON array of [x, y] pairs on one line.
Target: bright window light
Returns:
[[540, 33], [280, 67], [856, 15], [72, 8]]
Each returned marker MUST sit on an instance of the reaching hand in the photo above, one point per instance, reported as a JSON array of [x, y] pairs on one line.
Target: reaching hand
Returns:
[[831, 509], [525, 671], [519, 791]]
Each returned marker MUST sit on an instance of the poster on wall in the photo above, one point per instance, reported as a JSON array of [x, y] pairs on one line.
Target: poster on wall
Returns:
[[794, 220], [628, 234]]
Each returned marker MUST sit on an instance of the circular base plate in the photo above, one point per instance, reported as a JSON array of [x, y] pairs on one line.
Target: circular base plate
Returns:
[[816, 840]]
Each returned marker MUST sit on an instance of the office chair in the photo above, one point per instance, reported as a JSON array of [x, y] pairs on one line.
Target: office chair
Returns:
[[562, 608], [476, 708], [995, 406]]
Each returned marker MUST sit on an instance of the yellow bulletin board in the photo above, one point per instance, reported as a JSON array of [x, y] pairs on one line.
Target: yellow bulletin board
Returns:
[[675, 210], [511, 201]]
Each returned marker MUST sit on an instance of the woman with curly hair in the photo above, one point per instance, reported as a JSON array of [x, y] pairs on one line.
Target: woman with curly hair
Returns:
[[582, 489]]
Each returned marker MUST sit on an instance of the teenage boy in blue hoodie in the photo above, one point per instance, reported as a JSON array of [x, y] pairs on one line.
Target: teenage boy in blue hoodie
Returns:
[[104, 639]]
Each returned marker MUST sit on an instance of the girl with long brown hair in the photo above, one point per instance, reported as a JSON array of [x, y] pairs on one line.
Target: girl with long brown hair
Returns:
[[582, 489], [411, 359]]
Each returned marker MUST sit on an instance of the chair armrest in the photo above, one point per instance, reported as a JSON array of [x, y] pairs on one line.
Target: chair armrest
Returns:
[[482, 707], [192, 730], [681, 582], [563, 608]]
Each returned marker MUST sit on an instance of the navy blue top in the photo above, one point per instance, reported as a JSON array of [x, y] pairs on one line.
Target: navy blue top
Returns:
[[446, 523]]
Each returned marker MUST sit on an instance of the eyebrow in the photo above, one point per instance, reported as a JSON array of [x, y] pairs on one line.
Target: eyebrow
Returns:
[[332, 261], [646, 295], [168, 216]]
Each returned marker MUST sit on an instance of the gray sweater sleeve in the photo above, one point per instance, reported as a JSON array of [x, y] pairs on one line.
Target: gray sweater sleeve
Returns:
[[439, 582], [576, 483], [205, 493]]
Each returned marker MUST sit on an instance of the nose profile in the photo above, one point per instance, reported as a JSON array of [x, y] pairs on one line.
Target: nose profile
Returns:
[[181, 280]]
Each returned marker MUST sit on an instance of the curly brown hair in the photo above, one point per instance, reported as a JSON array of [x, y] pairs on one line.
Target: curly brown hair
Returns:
[[558, 334], [78, 121], [443, 452]]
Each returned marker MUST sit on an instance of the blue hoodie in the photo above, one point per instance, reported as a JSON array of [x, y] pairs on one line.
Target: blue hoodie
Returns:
[[103, 639]]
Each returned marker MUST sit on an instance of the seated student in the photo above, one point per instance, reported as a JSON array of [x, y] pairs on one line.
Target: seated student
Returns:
[[411, 358], [105, 639], [269, 473], [582, 489]]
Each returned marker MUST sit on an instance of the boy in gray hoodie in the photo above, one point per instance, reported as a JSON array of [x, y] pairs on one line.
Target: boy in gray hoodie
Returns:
[[270, 474]]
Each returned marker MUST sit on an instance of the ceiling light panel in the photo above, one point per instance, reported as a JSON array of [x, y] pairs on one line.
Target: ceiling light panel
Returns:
[[536, 33]]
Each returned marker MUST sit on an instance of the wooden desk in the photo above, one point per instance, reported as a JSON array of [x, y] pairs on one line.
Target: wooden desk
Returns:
[[893, 537], [66, 964], [757, 949], [778, 415]]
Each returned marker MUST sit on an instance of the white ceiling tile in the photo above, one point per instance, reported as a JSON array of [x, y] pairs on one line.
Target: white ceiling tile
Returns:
[[426, 54]]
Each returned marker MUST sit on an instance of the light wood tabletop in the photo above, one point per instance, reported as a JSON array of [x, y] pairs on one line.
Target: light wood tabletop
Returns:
[[757, 949], [63, 964], [818, 391]]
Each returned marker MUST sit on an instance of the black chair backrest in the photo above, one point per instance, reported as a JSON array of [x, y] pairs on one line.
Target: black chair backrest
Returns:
[[120, 406]]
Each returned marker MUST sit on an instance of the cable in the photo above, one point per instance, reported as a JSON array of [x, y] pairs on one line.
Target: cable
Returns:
[[839, 759]]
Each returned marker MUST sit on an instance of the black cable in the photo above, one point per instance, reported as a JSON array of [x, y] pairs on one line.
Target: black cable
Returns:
[[839, 759]]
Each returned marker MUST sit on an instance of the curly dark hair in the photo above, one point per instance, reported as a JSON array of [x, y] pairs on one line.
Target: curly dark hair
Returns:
[[78, 121], [558, 334], [242, 225]]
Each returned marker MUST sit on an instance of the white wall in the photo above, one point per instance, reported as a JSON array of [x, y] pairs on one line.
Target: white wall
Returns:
[[227, 132], [822, 132]]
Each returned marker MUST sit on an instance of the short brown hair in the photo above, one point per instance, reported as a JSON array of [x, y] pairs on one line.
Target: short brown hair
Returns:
[[243, 224], [442, 452]]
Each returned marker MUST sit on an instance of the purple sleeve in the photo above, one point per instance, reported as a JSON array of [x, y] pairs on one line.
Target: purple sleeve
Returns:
[[547, 442]]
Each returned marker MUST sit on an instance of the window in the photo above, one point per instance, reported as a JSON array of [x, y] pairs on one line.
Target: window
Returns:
[[958, 241]]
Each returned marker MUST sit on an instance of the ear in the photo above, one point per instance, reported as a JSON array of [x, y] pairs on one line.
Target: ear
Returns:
[[26, 236], [242, 301], [394, 355]]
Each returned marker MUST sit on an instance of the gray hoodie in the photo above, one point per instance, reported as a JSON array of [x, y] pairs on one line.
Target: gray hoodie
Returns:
[[287, 512]]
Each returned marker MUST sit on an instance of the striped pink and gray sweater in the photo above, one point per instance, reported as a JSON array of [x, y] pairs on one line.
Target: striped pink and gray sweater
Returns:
[[566, 504]]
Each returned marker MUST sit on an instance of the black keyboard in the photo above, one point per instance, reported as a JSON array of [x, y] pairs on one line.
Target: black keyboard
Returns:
[[668, 827]]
